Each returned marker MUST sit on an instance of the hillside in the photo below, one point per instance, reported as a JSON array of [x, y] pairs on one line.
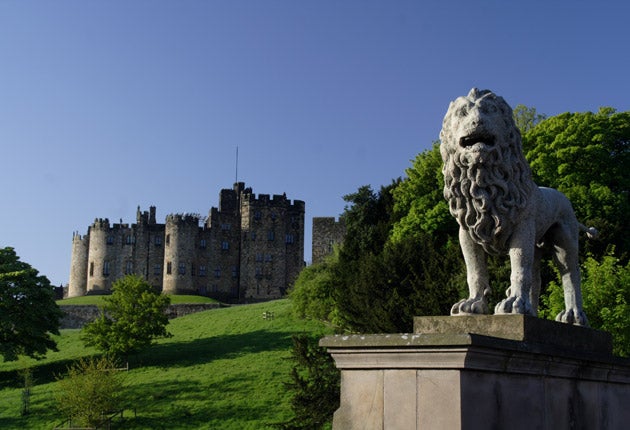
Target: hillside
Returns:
[[222, 369]]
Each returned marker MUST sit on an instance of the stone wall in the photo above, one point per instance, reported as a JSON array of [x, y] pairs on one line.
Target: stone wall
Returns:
[[327, 232], [76, 316]]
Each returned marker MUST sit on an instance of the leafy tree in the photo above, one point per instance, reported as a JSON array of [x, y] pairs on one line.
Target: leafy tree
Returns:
[[133, 316], [606, 296], [419, 203], [28, 312], [315, 383], [587, 157], [381, 284], [526, 118], [92, 388], [312, 292]]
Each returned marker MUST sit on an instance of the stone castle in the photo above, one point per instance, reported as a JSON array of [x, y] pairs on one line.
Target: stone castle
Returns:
[[327, 233], [249, 249]]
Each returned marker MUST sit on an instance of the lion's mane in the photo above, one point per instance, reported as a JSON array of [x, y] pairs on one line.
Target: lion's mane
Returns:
[[486, 190]]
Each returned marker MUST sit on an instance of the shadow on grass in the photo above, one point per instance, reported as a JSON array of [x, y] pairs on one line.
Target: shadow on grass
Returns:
[[172, 404], [42, 374], [203, 350]]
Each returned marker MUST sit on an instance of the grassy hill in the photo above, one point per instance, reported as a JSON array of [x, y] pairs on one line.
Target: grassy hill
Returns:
[[222, 369]]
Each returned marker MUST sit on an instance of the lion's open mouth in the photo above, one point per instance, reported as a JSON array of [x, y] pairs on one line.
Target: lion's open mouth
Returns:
[[476, 138]]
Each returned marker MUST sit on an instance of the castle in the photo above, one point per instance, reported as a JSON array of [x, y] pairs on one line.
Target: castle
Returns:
[[249, 249]]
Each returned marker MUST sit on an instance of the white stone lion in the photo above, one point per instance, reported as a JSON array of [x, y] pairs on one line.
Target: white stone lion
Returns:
[[490, 191]]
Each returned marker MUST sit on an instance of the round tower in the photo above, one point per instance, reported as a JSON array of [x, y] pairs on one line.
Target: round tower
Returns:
[[78, 266], [101, 258], [180, 241]]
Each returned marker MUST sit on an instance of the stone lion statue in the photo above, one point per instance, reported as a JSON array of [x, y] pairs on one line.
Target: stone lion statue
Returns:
[[490, 191]]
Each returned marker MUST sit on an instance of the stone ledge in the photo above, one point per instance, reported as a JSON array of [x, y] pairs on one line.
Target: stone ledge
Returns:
[[522, 328]]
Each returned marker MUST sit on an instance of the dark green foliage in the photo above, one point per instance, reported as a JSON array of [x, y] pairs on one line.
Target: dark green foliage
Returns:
[[28, 312], [91, 389], [315, 384], [133, 316]]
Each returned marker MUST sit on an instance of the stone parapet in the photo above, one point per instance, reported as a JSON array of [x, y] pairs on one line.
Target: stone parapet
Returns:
[[450, 378]]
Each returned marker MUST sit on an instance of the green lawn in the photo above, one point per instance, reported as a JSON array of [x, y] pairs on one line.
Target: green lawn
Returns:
[[222, 369]]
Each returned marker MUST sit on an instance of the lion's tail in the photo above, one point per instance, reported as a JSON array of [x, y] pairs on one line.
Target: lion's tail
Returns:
[[591, 232]]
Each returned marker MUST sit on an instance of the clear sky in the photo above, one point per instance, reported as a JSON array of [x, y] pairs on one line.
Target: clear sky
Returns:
[[107, 105]]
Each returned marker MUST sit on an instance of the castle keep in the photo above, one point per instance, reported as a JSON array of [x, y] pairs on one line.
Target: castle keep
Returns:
[[249, 248]]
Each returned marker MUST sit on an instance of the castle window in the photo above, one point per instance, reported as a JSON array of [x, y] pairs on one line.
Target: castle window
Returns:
[[182, 269], [234, 272], [253, 235], [157, 240], [192, 270], [271, 235], [91, 268], [214, 288], [257, 215], [106, 268], [129, 239], [110, 240], [226, 227], [268, 257], [225, 245], [289, 239], [157, 269], [217, 272], [259, 256], [203, 244], [273, 216], [168, 268], [168, 239], [259, 272], [202, 270], [129, 268]]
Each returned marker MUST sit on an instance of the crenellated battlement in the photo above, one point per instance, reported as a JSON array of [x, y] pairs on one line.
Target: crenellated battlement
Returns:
[[221, 255]]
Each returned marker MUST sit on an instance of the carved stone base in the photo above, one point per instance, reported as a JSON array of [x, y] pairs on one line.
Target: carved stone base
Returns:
[[448, 375]]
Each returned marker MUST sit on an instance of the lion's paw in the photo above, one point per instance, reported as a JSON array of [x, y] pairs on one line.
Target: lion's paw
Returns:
[[470, 306], [514, 305], [573, 316]]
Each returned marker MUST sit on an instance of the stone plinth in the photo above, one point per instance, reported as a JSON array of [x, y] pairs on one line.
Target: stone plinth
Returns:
[[509, 371]]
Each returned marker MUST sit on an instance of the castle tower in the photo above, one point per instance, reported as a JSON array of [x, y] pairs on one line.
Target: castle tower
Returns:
[[181, 235], [78, 265], [326, 234], [101, 257]]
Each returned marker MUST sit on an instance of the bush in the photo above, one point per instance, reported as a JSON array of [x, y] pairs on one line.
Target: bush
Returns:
[[91, 389]]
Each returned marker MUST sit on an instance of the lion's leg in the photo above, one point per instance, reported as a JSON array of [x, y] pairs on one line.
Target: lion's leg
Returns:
[[476, 277], [534, 294], [565, 247], [522, 250]]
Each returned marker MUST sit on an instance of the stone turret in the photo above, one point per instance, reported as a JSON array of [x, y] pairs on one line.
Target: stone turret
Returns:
[[181, 235], [101, 257], [79, 265]]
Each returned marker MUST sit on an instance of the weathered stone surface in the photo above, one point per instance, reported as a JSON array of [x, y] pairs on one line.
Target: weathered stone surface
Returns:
[[519, 327], [451, 380], [501, 211], [76, 316]]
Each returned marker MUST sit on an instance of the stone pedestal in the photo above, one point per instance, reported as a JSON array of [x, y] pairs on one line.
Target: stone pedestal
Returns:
[[481, 372]]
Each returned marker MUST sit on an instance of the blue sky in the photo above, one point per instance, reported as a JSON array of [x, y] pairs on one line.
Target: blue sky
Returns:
[[107, 105]]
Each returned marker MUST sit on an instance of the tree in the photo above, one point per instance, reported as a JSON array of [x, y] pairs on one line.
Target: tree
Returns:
[[587, 157], [315, 384], [133, 316], [312, 292], [92, 388], [526, 118], [28, 312]]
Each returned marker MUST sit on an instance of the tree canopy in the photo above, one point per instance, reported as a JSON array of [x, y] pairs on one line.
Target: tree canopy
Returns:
[[28, 312], [587, 157], [133, 316]]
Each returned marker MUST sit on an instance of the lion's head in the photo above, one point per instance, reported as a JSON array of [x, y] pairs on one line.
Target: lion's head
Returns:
[[487, 180]]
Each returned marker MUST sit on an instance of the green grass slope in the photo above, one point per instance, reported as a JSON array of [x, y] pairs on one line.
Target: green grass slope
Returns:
[[98, 300], [222, 369]]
